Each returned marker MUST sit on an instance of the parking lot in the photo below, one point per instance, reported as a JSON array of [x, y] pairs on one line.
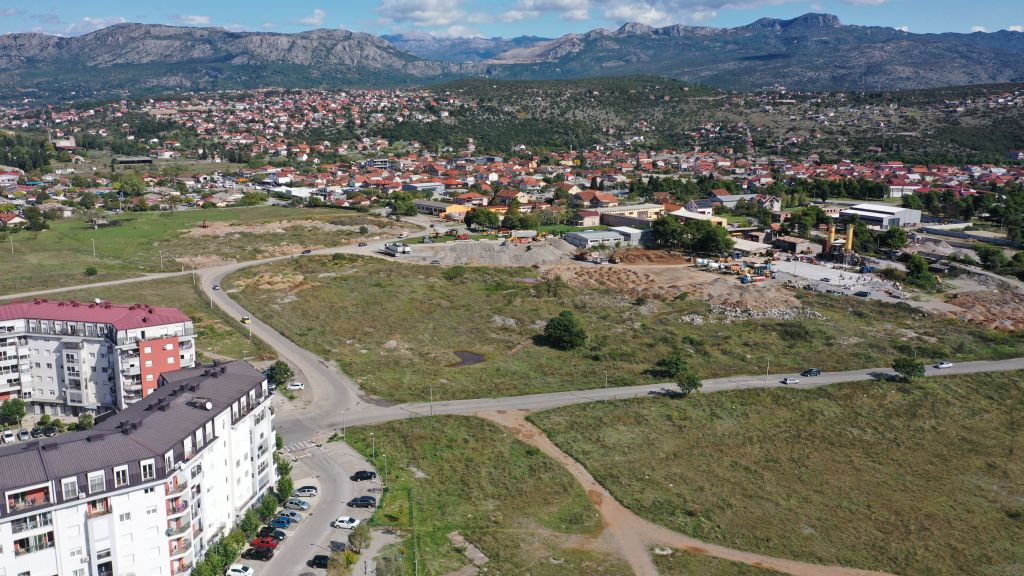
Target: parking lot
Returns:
[[328, 468]]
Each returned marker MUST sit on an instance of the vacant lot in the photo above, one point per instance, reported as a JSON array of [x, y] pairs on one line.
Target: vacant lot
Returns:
[[518, 506], [217, 335], [140, 242], [925, 478], [686, 564], [396, 328]]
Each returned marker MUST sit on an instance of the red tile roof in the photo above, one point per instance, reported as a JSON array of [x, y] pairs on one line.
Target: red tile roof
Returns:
[[122, 317]]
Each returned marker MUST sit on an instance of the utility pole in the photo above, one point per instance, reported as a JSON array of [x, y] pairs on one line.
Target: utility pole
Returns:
[[384, 484], [11, 236], [767, 367], [93, 248], [161, 260], [373, 446], [605, 385], [431, 385]]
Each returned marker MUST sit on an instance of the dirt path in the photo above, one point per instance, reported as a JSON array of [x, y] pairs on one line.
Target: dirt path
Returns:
[[632, 536]]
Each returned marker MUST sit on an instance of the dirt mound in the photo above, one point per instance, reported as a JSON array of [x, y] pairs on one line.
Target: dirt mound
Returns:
[[493, 253], [996, 309], [641, 256], [667, 282], [222, 229]]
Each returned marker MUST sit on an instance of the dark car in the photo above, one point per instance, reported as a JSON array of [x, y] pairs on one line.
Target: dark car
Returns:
[[362, 244], [307, 251], [319, 561], [811, 372], [363, 475], [262, 554], [363, 502], [50, 431], [272, 532], [37, 432]]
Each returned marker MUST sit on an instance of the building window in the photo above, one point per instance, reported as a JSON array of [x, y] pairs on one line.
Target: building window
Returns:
[[149, 377], [168, 346], [148, 470], [103, 554], [151, 510], [75, 552], [97, 482], [70, 488], [125, 517], [147, 350], [120, 476], [168, 461], [149, 490], [170, 359], [149, 363], [78, 572]]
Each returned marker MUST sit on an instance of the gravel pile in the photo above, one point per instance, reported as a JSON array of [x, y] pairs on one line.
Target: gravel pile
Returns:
[[726, 315]]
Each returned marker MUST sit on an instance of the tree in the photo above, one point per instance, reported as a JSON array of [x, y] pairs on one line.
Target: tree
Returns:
[[483, 218], [44, 419], [908, 368], [894, 238], [91, 271], [917, 272], [85, 421], [678, 370], [360, 537], [697, 236], [250, 523], [279, 373], [565, 331], [12, 411]]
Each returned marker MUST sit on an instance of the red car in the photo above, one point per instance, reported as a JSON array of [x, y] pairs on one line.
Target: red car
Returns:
[[265, 542]]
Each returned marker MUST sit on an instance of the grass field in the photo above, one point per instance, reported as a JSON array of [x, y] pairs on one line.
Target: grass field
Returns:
[[686, 564], [217, 335], [923, 478], [518, 506], [134, 242], [395, 327]]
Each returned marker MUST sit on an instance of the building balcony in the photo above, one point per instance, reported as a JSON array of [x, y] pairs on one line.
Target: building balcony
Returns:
[[178, 568], [38, 546], [98, 508], [175, 509], [181, 528], [27, 501], [180, 548], [42, 521], [174, 490]]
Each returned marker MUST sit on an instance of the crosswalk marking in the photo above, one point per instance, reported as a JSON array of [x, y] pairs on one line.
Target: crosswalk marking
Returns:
[[297, 446]]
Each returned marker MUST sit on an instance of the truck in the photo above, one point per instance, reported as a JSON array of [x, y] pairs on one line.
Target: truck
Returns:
[[396, 248]]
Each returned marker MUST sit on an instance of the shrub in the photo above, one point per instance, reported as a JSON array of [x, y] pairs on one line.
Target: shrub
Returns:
[[565, 331], [91, 271], [454, 273]]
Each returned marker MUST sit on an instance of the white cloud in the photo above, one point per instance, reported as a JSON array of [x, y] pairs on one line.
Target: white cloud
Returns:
[[642, 12], [422, 12], [90, 24], [903, 28], [192, 20], [652, 12], [1015, 28], [979, 29], [458, 31], [317, 19], [8, 12]]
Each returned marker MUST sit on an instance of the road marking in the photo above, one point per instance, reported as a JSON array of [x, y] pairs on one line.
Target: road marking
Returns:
[[298, 446]]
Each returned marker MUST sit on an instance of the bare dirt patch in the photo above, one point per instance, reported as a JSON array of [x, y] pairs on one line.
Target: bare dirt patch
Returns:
[[278, 282], [641, 256], [222, 229], [997, 309], [203, 261]]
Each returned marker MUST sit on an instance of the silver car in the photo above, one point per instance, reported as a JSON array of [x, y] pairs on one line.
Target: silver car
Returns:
[[297, 504]]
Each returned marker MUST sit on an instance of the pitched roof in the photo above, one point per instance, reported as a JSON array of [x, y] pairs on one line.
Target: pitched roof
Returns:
[[122, 317]]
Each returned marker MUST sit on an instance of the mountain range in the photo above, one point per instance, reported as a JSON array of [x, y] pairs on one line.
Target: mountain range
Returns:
[[811, 52]]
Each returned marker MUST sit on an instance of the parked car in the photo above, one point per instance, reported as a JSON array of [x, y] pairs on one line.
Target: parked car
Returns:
[[261, 553], [361, 244], [788, 381], [50, 431], [8, 436], [307, 251], [272, 532], [345, 522], [297, 504], [319, 561], [281, 522], [811, 372], [826, 279], [239, 570], [292, 515], [265, 542], [296, 386], [216, 286], [37, 432], [944, 364], [363, 475], [363, 502], [862, 293], [305, 492], [23, 435]]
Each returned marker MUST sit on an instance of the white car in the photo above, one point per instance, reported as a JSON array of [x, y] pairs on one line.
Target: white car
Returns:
[[944, 364], [8, 436], [345, 522], [239, 570], [216, 286], [788, 381], [296, 386]]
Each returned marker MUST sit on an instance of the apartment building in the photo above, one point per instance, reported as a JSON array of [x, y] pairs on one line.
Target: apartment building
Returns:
[[65, 358], [147, 490]]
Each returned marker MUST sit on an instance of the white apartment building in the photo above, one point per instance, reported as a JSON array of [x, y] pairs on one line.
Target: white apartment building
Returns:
[[145, 492], [65, 358]]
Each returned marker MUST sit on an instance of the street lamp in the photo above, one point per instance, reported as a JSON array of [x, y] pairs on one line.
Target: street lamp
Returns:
[[373, 446]]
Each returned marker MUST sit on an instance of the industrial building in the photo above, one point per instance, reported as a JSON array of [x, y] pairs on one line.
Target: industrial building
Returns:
[[883, 216], [592, 238], [147, 490], [66, 358]]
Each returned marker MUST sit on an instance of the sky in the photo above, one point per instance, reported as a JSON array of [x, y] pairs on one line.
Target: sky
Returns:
[[507, 18]]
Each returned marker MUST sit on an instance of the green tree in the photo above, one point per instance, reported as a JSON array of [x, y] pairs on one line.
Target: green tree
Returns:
[[44, 419], [85, 421], [250, 523], [360, 537], [91, 271], [908, 368], [679, 371], [894, 238], [918, 274], [12, 412], [483, 218], [565, 331], [279, 373]]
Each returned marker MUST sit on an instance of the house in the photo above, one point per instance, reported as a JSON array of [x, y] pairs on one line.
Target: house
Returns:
[[770, 202], [594, 199], [442, 210], [506, 196], [635, 215], [791, 244], [684, 215], [568, 187], [9, 179], [586, 218], [730, 200], [705, 206], [8, 219], [471, 199]]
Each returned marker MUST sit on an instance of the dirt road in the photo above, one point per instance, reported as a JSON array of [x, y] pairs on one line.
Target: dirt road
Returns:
[[632, 536]]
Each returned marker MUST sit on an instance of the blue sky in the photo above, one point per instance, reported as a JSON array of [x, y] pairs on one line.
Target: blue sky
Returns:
[[497, 17]]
